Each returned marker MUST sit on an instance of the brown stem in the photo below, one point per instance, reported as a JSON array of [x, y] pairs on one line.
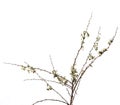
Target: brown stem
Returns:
[[52, 88], [82, 72], [72, 93], [50, 100], [74, 63]]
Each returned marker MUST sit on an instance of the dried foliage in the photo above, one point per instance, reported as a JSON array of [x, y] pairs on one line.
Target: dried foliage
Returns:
[[71, 85]]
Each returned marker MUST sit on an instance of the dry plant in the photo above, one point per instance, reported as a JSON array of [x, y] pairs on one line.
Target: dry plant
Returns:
[[71, 85]]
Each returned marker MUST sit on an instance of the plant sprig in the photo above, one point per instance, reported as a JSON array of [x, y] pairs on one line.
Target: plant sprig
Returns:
[[76, 75]]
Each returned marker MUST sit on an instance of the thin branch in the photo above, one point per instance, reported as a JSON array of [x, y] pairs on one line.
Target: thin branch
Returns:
[[83, 35], [89, 22], [50, 100], [72, 93], [89, 65], [74, 63], [55, 70], [90, 52], [40, 78], [12, 64], [61, 96], [52, 87], [68, 91], [34, 70], [43, 70], [115, 33], [78, 81], [51, 62], [47, 81]]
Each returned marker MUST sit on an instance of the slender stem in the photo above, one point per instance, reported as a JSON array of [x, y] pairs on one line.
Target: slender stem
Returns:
[[51, 62], [72, 92], [74, 84], [74, 63], [68, 91], [89, 22], [47, 81], [61, 96], [52, 87], [43, 70], [33, 68], [50, 100], [82, 72], [89, 53], [53, 67]]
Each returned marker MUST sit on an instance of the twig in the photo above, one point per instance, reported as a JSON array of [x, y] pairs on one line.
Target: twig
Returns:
[[89, 52], [12, 64], [43, 70], [50, 100], [89, 22], [74, 63], [68, 91], [51, 62], [89, 65], [55, 70], [115, 33], [61, 96], [86, 62], [41, 79], [47, 81], [52, 87]]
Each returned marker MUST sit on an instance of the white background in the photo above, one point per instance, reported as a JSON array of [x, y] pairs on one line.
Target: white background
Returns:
[[30, 30]]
